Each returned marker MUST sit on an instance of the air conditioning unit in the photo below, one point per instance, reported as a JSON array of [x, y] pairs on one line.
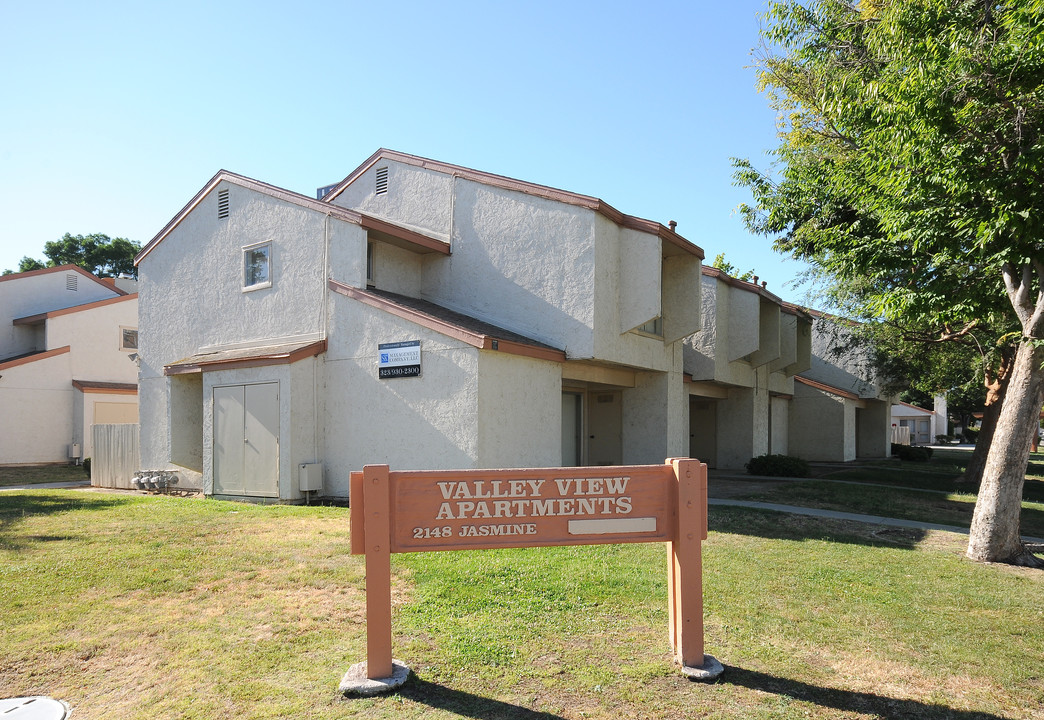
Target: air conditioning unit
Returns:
[[310, 477]]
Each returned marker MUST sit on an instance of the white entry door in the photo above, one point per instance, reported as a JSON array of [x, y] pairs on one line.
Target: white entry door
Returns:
[[246, 440]]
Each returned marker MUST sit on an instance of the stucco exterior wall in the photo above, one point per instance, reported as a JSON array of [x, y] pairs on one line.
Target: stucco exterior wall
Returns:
[[25, 295], [848, 370], [416, 198], [655, 418], [873, 430], [519, 411], [94, 336], [193, 280], [429, 421], [779, 426], [822, 426], [36, 424]]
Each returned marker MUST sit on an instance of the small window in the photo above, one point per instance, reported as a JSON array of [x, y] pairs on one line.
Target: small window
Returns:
[[653, 327], [128, 339], [370, 250], [382, 181], [257, 266]]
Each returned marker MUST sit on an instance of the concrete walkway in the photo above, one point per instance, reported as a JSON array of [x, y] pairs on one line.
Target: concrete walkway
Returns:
[[854, 517]]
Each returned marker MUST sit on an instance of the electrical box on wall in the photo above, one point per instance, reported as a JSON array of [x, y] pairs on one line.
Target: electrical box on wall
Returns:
[[310, 477]]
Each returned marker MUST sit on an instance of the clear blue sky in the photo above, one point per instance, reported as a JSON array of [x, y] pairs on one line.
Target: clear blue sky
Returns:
[[115, 115]]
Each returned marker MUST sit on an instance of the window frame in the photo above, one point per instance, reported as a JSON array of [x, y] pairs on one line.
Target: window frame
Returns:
[[123, 346], [247, 250]]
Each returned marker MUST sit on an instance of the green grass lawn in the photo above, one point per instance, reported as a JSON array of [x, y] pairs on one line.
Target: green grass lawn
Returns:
[[35, 474], [137, 606]]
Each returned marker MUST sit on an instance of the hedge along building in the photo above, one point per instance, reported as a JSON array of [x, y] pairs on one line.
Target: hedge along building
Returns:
[[741, 367], [548, 326]]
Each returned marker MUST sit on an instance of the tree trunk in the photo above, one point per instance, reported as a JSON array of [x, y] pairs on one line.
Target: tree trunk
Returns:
[[996, 385], [977, 464], [995, 535]]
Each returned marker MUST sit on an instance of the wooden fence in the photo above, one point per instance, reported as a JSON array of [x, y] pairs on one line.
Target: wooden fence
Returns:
[[115, 458]]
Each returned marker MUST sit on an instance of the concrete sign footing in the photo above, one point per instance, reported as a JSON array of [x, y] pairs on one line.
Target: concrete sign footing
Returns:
[[355, 681], [710, 670]]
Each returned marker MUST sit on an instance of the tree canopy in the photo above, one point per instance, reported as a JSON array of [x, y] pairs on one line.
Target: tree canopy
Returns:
[[910, 173], [96, 253]]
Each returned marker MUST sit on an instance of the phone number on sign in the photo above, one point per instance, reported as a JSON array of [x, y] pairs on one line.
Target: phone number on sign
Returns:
[[404, 371]]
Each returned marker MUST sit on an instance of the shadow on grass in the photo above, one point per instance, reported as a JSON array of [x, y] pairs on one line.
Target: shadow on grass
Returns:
[[847, 700], [466, 704], [16, 506], [773, 525]]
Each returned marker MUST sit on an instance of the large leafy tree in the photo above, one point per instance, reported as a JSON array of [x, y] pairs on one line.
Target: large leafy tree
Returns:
[[96, 253], [910, 172]]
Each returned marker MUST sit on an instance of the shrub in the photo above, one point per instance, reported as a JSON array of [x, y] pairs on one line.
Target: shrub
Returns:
[[913, 453], [971, 435], [87, 466], [778, 466]]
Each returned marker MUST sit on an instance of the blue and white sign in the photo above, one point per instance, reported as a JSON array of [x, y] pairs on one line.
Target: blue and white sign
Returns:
[[401, 359]]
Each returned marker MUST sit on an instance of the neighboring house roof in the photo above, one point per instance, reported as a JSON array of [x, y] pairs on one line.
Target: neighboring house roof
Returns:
[[64, 268], [33, 357], [827, 388], [40, 317], [412, 239], [548, 193], [112, 388], [259, 356], [908, 406], [473, 331], [786, 307]]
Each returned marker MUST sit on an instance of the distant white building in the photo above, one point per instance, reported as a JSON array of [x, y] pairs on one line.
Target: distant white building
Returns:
[[66, 345], [924, 425]]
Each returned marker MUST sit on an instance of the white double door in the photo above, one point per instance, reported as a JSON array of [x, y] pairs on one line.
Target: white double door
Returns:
[[246, 440]]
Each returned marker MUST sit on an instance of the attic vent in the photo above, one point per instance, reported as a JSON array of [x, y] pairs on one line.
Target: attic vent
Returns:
[[382, 180], [70, 282], [222, 204]]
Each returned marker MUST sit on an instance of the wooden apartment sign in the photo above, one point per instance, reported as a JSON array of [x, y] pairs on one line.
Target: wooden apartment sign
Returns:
[[422, 511]]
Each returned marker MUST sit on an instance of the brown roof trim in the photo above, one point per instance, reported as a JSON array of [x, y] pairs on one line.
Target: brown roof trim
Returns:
[[39, 317], [34, 357], [503, 341], [542, 191], [415, 241], [109, 388], [256, 185], [915, 407], [65, 268], [279, 357], [826, 388]]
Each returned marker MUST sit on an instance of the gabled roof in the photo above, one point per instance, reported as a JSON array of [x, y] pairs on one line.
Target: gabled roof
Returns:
[[414, 240], [673, 239], [465, 328], [827, 388], [40, 317], [64, 268]]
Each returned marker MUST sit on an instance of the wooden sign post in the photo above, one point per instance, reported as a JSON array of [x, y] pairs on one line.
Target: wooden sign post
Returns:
[[423, 511]]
